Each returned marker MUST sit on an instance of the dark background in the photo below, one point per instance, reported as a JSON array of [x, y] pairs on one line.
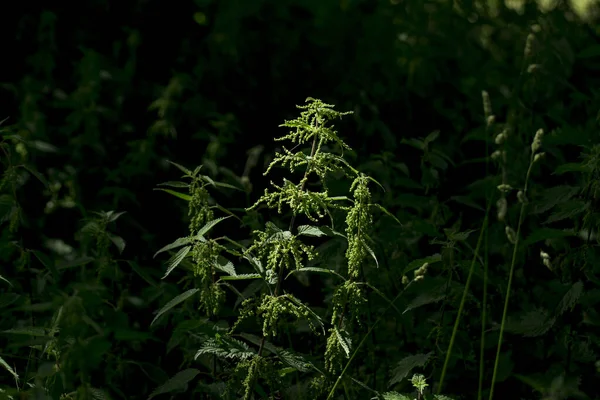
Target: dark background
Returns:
[[119, 88]]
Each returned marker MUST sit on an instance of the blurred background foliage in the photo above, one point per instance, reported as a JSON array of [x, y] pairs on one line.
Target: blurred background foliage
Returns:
[[98, 96]]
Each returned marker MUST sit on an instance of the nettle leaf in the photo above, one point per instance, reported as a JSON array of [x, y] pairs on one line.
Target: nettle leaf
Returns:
[[371, 252], [175, 184], [182, 196], [570, 167], [226, 347], [5, 280], [196, 170], [217, 389], [406, 365], [287, 357], [554, 196], [223, 264], [249, 291], [293, 360], [395, 396], [566, 210], [309, 230], [9, 368], [270, 227], [112, 216], [433, 295], [279, 236], [344, 340], [315, 317], [228, 212], [178, 299], [181, 168], [240, 277], [209, 225], [178, 383], [97, 394], [177, 243], [176, 260], [255, 262], [220, 184], [546, 233], [535, 382], [118, 241], [467, 201], [43, 146], [46, 262], [458, 236], [340, 198], [29, 331], [315, 269], [413, 142], [531, 324], [78, 262], [141, 272], [570, 299], [7, 204], [35, 173], [330, 232]]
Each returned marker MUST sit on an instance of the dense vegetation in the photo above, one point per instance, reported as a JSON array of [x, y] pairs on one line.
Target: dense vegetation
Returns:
[[301, 199]]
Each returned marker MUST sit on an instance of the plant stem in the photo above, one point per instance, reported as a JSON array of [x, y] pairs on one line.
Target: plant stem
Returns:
[[464, 297], [338, 380], [510, 278]]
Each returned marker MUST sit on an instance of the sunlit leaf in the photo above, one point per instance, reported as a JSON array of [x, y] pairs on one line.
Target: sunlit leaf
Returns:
[[176, 260], [8, 368], [181, 168], [182, 196], [177, 243]]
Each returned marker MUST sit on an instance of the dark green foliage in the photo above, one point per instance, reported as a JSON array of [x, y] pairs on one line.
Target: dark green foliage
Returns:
[[441, 239]]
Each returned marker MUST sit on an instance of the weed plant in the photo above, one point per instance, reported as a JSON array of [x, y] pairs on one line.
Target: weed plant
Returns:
[[460, 264]]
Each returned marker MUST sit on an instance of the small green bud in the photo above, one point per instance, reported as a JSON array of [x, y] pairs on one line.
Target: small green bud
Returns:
[[502, 206], [497, 154], [504, 188], [500, 138], [487, 105], [511, 235], [546, 259], [521, 197], [538, 156], [422, 270], [529, 44], [405, 280], [537, 140]]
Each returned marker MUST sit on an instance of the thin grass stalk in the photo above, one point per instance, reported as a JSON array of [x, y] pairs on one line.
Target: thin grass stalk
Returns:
[[341, 375], [464, 298], [510, 278]]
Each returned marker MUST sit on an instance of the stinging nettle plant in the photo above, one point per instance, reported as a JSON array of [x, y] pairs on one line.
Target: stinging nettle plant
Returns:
[[275, 254]]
